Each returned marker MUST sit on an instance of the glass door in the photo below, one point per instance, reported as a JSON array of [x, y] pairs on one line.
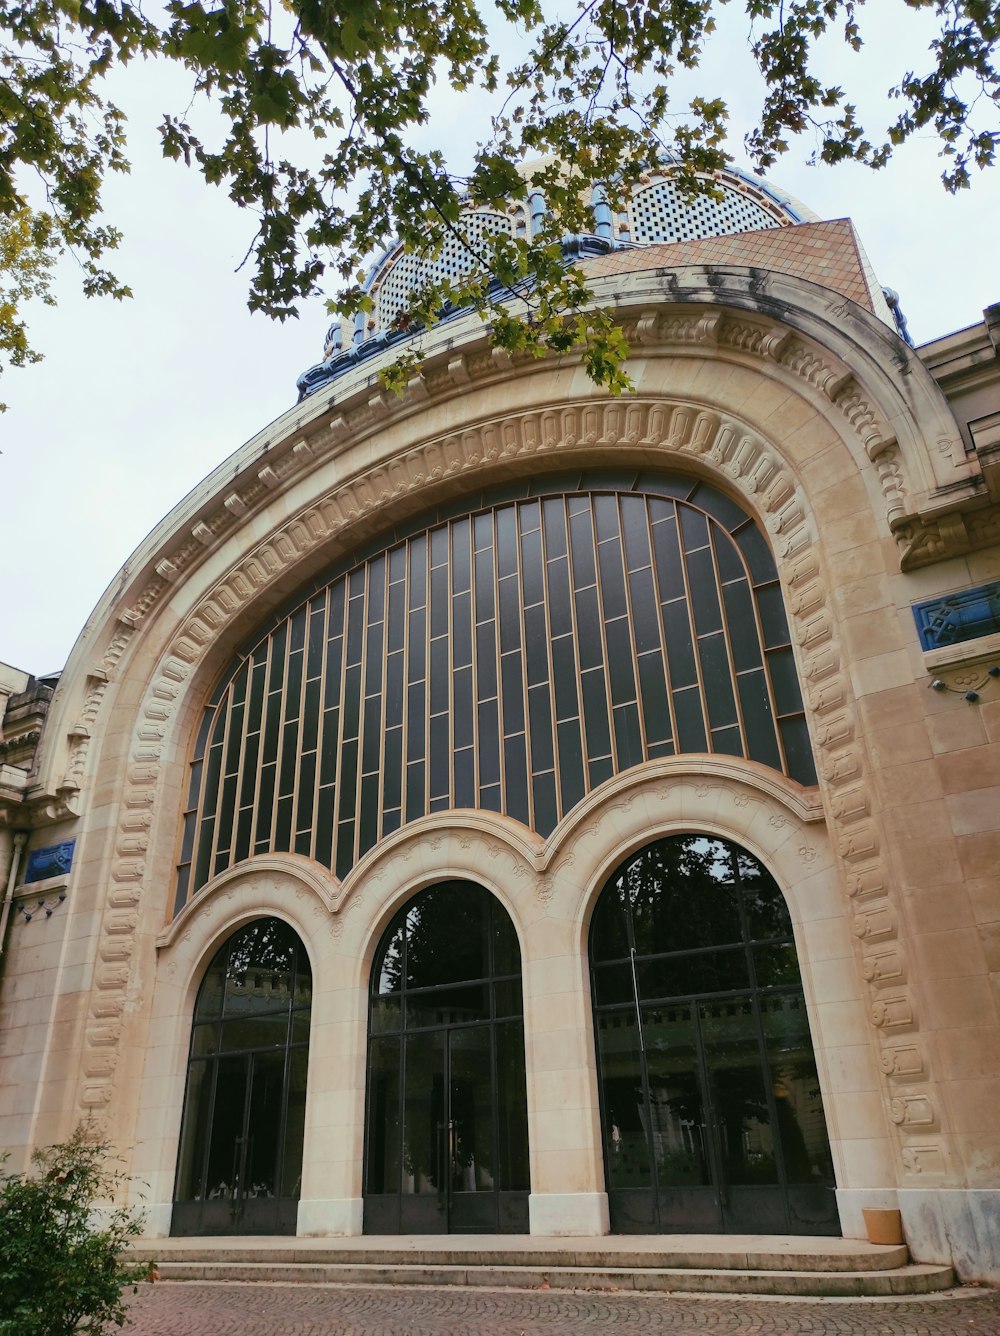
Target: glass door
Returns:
[[711, 1107], [471, 1132], [447, 1127], [240, 1161]]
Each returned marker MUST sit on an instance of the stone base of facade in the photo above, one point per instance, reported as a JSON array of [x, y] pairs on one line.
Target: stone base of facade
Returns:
[[338, 1217], [156, 1219], [956, 1225], [569, 1214]]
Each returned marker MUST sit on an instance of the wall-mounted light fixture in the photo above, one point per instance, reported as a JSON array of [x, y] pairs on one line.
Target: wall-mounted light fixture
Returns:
[[29, 908], [971, 694]]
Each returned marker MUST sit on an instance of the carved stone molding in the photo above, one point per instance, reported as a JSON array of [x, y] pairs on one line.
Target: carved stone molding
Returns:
[[925, 539], [750, 335]]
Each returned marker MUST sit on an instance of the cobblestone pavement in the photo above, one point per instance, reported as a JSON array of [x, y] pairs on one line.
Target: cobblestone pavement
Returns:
[[179, 1308]]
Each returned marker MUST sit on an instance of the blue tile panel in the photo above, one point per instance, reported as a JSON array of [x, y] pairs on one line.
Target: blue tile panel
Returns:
[[55, 860], [955, 618]]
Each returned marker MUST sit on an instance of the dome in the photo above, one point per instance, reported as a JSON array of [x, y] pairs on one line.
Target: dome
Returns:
[[656, 211]]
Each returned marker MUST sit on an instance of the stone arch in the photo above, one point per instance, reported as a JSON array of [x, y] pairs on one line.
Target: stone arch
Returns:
[[468, 1064], [828, 347], [625, 1009], [783, 826], [714, 441], [496, 853], [277, 889]]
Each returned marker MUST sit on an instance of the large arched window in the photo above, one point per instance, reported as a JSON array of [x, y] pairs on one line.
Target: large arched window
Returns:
[[510, 653], [240, 1159], [447, 1125], [710, 1100]]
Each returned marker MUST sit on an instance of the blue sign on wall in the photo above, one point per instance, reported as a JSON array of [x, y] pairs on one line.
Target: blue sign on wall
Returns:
[[954, 618], [53, 861]]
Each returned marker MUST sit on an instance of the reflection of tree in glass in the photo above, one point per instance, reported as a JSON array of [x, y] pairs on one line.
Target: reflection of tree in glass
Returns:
[[683, 893], [256, 967], [442, 937], [267, 944], [766, 911]]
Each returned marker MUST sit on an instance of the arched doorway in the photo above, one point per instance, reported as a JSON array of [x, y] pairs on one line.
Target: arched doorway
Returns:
[[240, 1161], [710, 1102], [447, 1125]]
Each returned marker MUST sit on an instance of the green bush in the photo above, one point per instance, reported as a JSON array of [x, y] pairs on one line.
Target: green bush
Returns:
[[62, 1246]]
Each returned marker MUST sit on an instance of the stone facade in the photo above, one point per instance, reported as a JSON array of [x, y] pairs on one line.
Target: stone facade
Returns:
[[764, 364]]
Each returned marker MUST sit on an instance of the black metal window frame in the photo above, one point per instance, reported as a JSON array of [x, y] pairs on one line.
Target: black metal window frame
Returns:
[[509, 652]]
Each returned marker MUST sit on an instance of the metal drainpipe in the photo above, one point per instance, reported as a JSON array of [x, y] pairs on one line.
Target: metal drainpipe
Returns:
[[20, 839]]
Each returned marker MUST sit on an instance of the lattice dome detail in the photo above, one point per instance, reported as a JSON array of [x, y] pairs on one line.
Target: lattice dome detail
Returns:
[[661, 213], [410, 272]]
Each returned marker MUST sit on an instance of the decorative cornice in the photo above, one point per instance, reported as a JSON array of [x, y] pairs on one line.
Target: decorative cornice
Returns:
[[26, 807], [926, 539], [840, 358], [362, 410]]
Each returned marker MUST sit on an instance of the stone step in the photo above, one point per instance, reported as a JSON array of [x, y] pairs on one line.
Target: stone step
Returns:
[[869, 1283], [780, 1254]]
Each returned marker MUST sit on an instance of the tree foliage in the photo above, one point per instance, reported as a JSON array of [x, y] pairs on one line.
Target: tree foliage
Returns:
[[62, 1269], [320, 104]]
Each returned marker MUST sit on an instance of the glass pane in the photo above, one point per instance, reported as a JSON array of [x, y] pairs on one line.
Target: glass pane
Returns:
[[506, 951], [255, 1032], [704, 592], [223, 1158], [608, 933], [626, 1142], [613, 984], [572, 785], [798, 750], [197, 1108], [667, 559], [744, 641], [764, 905], [739, 1098], [446, 936], [295, 1122], [798, 1104], [511, 1109], [472, 1153], [448, 1006], [681, 896], [386, 1014], [260, 1169], [507, 998], [699, 972], [212, 990], [383, 1116], [757, 554], [205, 1040], [758, 720], [772, 615], [676, 1108], [516, 774], [655, 711], [775, 965], [424, 1117]]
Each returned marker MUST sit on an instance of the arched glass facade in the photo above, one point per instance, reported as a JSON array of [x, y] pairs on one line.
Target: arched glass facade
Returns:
[[710, 1101], [447, 1124], [240, 1161], [511, 654]]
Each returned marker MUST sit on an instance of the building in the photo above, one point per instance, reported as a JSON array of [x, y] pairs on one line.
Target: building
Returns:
[[505, 807]]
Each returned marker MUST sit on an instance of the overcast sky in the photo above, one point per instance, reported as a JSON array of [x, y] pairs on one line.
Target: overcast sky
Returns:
[[136, 402]]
